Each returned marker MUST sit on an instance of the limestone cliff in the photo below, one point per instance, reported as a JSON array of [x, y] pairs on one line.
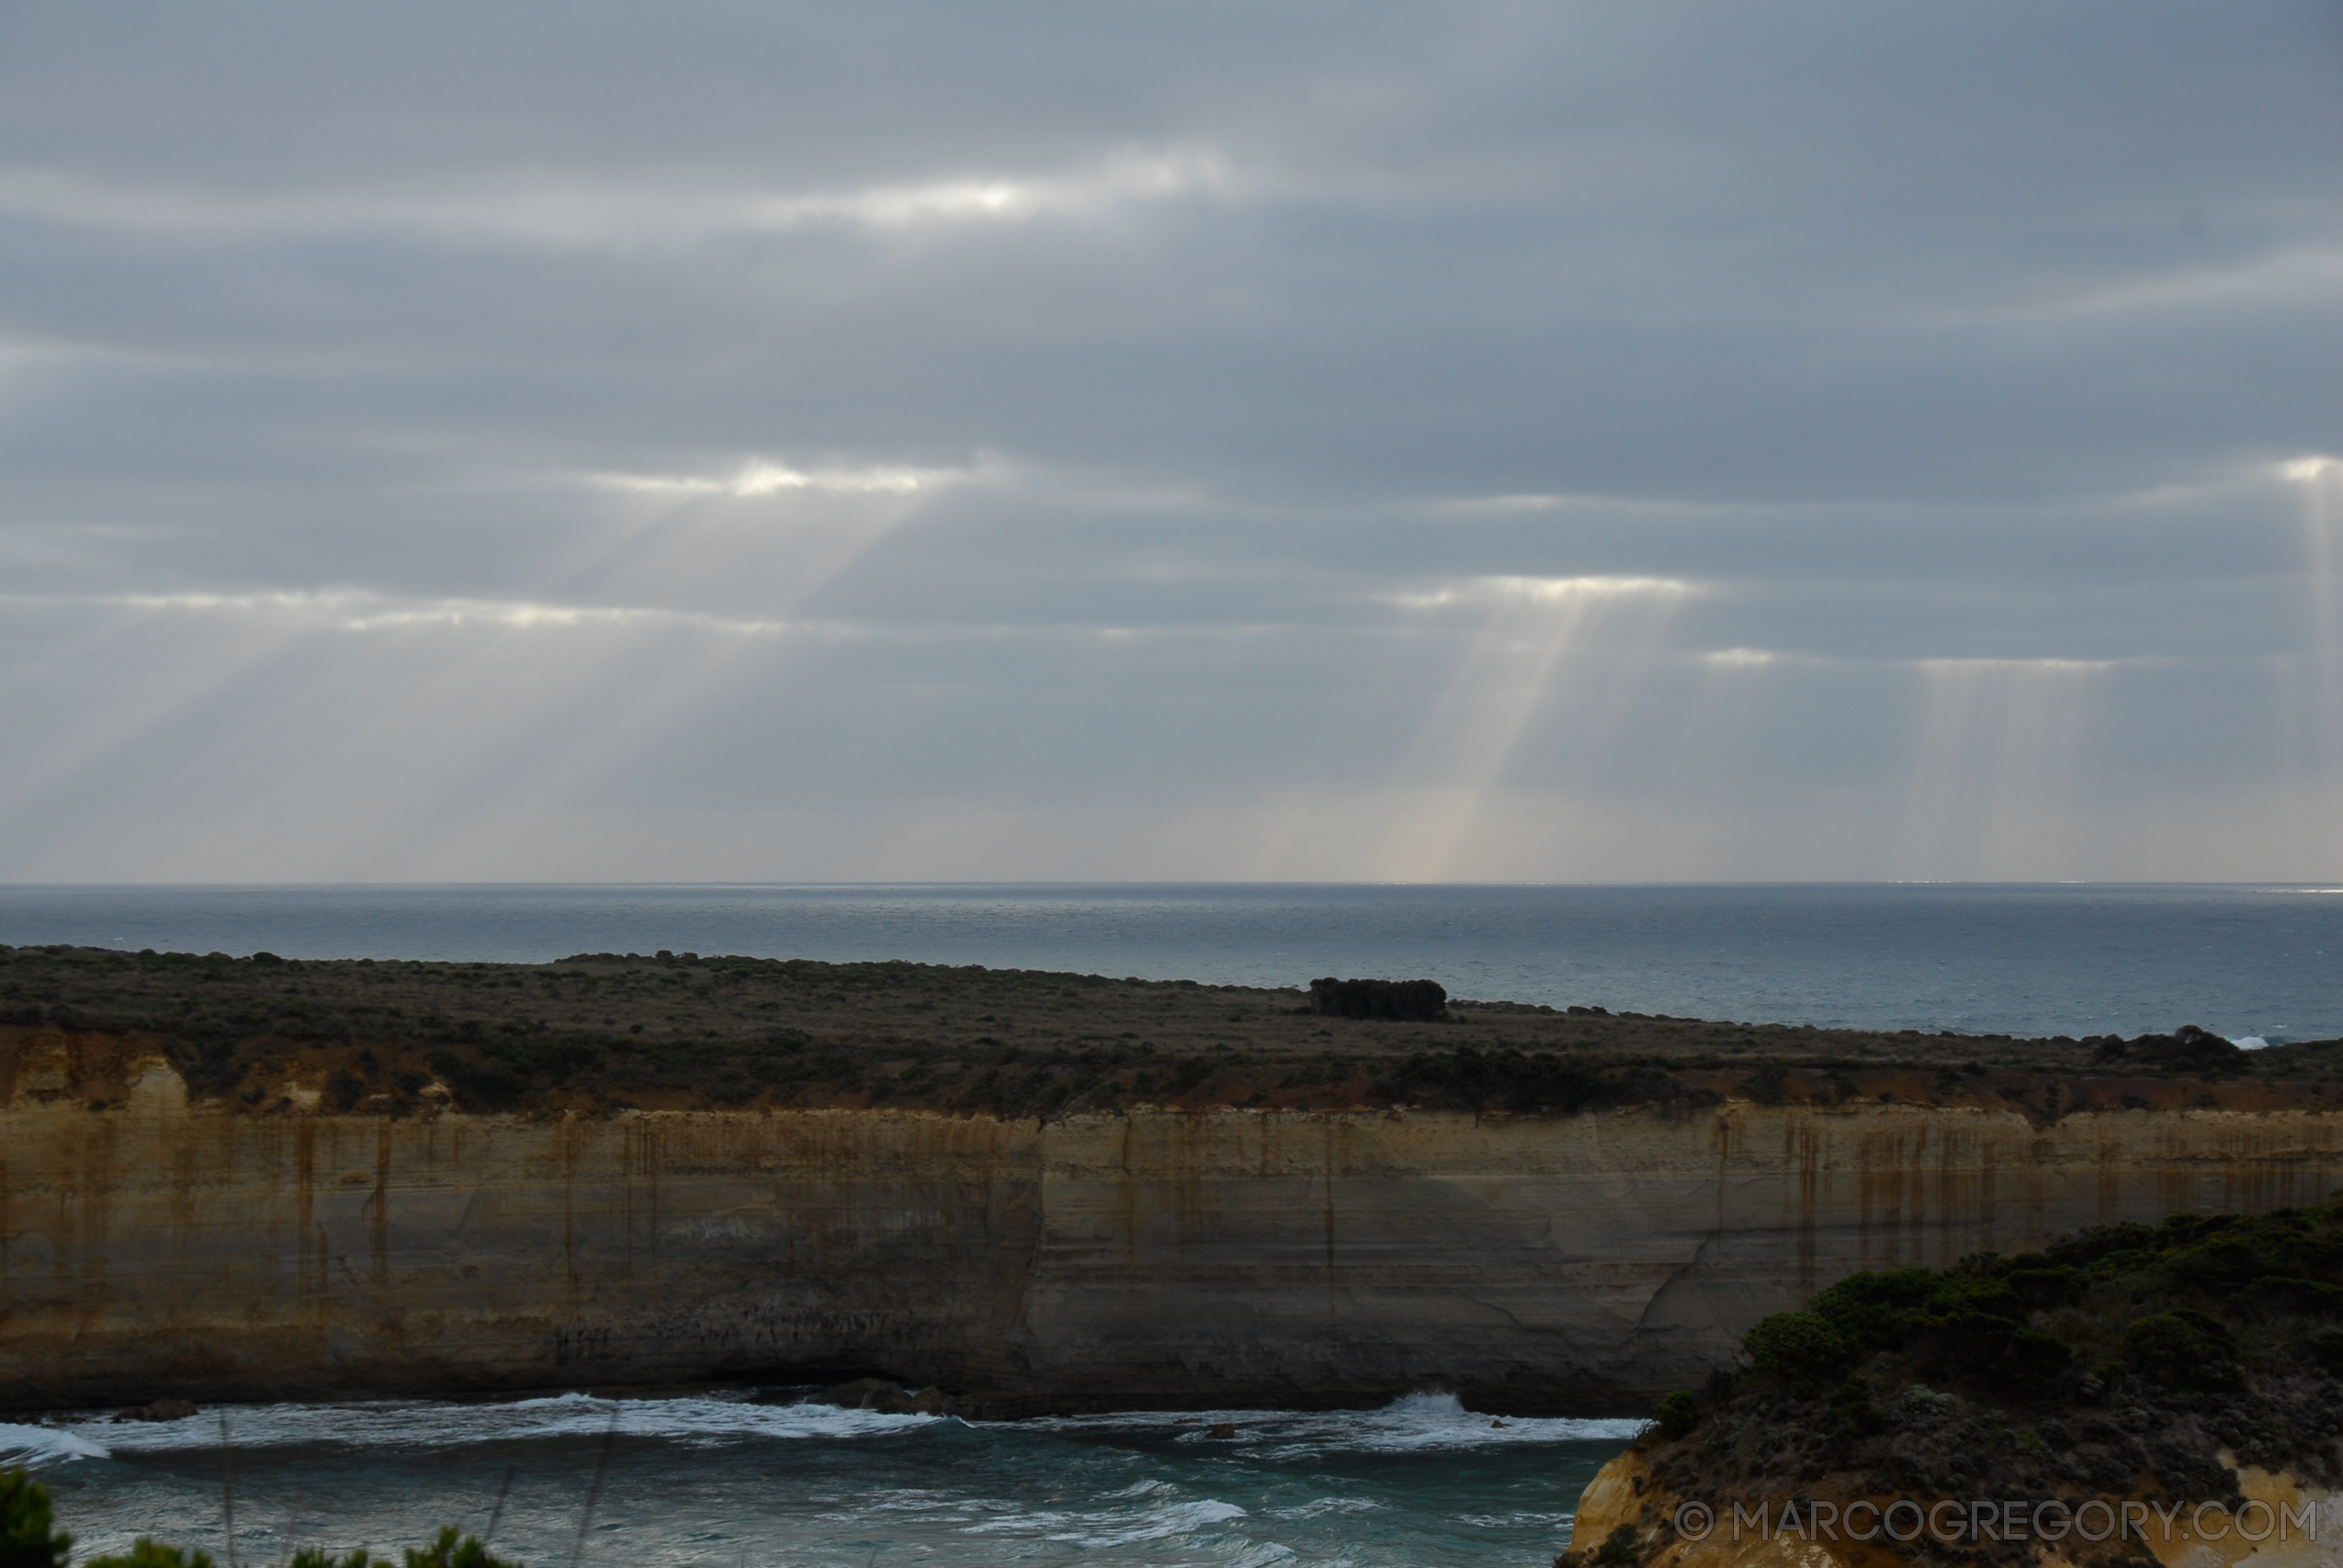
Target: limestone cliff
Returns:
[[1156, 1256]]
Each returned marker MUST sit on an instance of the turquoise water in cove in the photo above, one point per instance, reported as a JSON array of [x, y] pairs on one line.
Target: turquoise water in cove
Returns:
[[721, 1481]]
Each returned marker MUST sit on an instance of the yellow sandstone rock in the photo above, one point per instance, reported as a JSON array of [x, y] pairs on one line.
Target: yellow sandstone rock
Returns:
[[1582, 1264], [1626, 1492]]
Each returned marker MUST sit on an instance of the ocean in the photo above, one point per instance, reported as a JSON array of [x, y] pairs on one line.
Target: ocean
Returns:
[[723, 1480], [2261, 962], [764, 1477]]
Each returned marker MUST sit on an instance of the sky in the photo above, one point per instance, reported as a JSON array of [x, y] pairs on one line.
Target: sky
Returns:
[[1246, 441]]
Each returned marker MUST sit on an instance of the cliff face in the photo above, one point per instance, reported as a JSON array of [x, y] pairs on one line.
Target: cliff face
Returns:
[[1579, 1263]]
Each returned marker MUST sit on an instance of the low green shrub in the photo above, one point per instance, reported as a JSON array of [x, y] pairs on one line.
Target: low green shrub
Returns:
[[146, 1552], [29, 1539], [450, 1550], [1802, 1348], [2183, 1349], [28, 1536]]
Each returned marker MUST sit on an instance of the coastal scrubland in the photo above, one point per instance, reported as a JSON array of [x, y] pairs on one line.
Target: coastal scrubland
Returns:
[[2161, 1362], [668, 1031]]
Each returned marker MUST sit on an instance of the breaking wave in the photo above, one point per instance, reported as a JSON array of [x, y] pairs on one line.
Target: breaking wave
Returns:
[[717, 1476], [431, 1423], [1417, 1423], [35, 1447]]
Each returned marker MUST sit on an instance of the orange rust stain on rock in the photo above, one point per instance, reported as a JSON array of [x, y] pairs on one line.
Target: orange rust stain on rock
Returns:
[[1582, 1263]]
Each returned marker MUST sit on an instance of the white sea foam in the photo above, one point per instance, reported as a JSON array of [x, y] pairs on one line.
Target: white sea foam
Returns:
[[1417, 1423], [1261, 1556], [419, 1424], [1137, 1488], [1318, 1507], [1117, 1527], [1144, 1489], [35, 1447], [2251, 1042]]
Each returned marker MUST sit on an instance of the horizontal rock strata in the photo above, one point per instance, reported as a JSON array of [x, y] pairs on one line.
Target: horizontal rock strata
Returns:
[[1226, 1257]]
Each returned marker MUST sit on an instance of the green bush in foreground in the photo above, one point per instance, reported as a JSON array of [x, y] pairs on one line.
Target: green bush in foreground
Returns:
[[28, 1538], [449, 1550], [148, 1553]]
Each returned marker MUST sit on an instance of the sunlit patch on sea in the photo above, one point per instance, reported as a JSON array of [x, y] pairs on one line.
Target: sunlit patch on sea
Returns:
[[725, 1479]]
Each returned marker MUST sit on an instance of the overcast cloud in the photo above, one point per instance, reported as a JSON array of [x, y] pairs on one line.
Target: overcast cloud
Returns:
[[889, 441]]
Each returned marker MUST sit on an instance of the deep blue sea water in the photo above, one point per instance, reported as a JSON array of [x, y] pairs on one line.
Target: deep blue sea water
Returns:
[[2263, 961], [718, 1480]]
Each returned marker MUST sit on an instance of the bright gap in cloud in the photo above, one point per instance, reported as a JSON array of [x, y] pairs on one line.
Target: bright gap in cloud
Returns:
[[1124, 177], [1513, 590], [355, 610], [2014, 666], [760, 477], [562, 210]]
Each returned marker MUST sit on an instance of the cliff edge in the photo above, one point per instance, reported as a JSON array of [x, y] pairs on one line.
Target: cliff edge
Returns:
[[250, 1178]]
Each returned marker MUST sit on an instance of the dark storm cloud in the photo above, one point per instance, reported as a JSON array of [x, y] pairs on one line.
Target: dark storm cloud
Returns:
[[1461, 423]]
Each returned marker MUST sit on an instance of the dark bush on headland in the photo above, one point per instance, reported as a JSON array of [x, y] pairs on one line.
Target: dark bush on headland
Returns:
[[2187, 1049], [1418, 1001], [2185, 1348], [1800, 1348], [2122, 1357]]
